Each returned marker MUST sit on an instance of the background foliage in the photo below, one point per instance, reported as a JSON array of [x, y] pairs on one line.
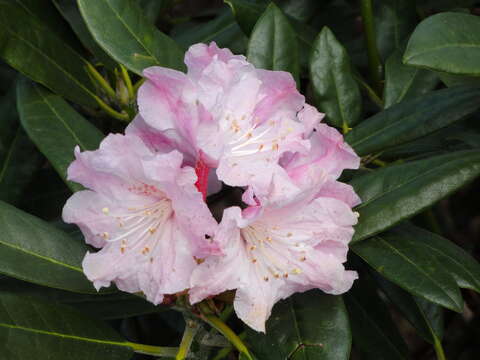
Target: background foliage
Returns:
[[399, 77]]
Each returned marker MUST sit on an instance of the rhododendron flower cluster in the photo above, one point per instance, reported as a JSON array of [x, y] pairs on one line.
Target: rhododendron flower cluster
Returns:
[[223, 123]]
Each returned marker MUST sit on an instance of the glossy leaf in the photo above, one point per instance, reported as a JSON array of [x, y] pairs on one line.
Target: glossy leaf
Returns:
[[273, 44], [117, 305], [409, 264], [425, 317], [459, 264], [448, 42], [394, 22], [395, 193], [19, 159], [70, 11], [35, 251], [247, 12], [373, 329], [28, 46], [305, 326], [123, 31], [405, 82], [413, 119], [54, 127], [336, 91], [224, 30], [31, 328]]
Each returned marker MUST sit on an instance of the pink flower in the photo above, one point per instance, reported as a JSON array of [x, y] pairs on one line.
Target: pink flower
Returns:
[[235, 117], [274, 251], [145, 214]]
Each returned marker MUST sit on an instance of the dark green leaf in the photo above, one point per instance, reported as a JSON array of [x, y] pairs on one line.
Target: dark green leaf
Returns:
[[405, 82], [29, 47], [311, 325], [123, 31], [18, 157], [247, 12], [154, 8], [395, 193], [373, 329], [106, 306], [69, 9], [273, 44], [394, 21], [425, 317], [35, 251], [31, 328], [410, 264], [46, 13], [54, 127], [458, 263], [414, 118], [224, 30], [336, 91], [448, 42]]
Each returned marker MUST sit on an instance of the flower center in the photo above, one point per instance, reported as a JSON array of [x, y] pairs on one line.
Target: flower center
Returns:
[[273, 251]]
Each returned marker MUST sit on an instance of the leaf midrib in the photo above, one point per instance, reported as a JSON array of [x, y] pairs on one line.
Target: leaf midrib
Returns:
[[9, 155], [441, 47]]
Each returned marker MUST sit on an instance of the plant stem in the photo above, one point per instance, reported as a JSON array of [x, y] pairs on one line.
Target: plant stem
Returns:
[[223, 328], [128, 82], [223, 353], [100, 80], [191, 329], [138, 84], [169, 352], [374, 62], [117, 115], [439, 349]]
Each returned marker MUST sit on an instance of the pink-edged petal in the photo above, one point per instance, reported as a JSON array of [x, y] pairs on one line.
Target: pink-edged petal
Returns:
[[310, 117], [340, 191]]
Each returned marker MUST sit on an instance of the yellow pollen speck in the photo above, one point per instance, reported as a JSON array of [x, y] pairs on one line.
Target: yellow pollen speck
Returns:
[[105, 235], [269, 238], [152, 230], [249, 135], [122, 249], [303, 258], [148, 213], [266, 278], [106, 210], [277, 275], [253, 247], [297, 271], [275, 146], [289, 234], [254, 261], [356, 213], [260, 147], [285, 275]]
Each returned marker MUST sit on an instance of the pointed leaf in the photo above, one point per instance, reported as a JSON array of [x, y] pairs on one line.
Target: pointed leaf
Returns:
[[448, 42], [336, 91], [31, 328], [305, 326], [273, 44], [123, 31], [29, 47], [414, 118], [395, 193], [54, 127], [373, 329], [35, 251], [409, 264], [405, 82]]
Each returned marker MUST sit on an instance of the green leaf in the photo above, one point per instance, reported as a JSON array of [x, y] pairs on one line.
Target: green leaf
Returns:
[[117, 305], [46, 13], [247, 12], [31, 328], [336, 92], [448, 42], [410, 264], [373, 330], [394, 22], [456, 261], [395, 193], [54, 127], [412, 119], [311, 325], [29, 47], [35, 251], [273, 44], [70, 11], [425, 317], [19, 159], [123, 31], [224, 30], [405, 82]]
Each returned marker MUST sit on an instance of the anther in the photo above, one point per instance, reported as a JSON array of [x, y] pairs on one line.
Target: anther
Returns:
[[106, 210]]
